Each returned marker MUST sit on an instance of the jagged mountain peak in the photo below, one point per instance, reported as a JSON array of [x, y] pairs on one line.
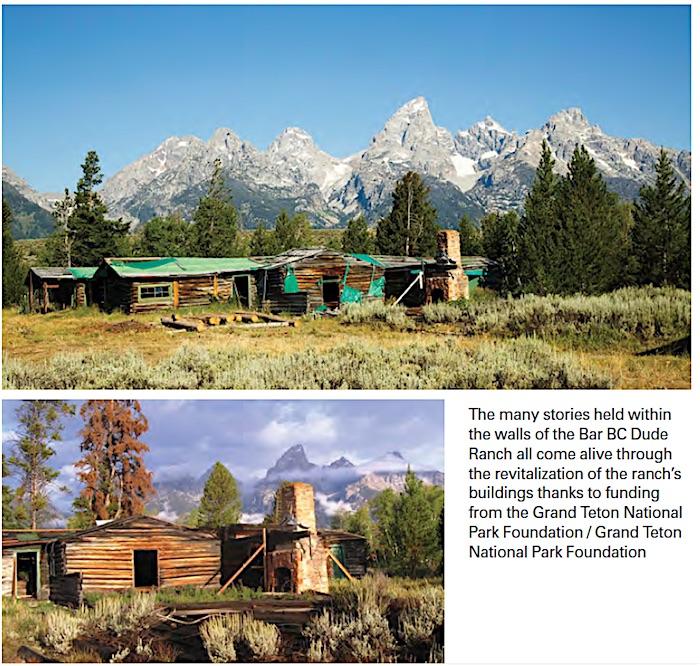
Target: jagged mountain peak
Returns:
[[340, 463], [489, 123], [293, 459], [573, 116]]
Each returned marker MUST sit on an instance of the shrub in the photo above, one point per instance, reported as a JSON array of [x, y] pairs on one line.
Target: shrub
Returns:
[[261, 639], [121, 613], [227, 636], [61, 629], [376, 312], [219, 637], [422, 616], [364, 637], [521, 363], [442, 313]]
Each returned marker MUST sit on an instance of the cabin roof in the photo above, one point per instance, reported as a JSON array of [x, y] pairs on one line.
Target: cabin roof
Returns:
[[178, 266], [151, 520], [60, 273], [25, 537]]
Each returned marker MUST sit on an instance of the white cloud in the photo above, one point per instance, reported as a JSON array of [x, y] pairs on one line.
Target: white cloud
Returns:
[[331, 506], [315, 427]]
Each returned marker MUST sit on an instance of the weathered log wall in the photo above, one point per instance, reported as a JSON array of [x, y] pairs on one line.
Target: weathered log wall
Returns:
[[105, 557], [8, 574], [67, 590]]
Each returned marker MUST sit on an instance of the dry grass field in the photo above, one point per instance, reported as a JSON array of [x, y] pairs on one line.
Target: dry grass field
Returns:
[[491, 344]]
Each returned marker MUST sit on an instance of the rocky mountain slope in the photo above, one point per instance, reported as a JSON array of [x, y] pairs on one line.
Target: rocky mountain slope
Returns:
[[476, 170], [31, 211], [340, 485]]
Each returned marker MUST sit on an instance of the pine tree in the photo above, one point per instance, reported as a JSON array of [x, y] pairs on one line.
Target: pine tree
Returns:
[[590, 256], [58, 250], [40, 428], [661, 231], [500, 234], [13, 268], [539, 235], [470, 240], [164, 237], [411, 227], [292, 232], [14, 514], [215, 222], [92, 236], [415, 527], [221, 502], [112, 469], [263, 242], [358, 522], [357, 238]]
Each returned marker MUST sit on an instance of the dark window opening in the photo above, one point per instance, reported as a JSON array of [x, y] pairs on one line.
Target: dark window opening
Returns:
[[27, 575], [145, 568], [155, 291], [241, 290], [283, 580], [437, 296], [331, 292]]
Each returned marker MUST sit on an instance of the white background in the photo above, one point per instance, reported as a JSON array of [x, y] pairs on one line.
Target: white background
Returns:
[[575, 611]]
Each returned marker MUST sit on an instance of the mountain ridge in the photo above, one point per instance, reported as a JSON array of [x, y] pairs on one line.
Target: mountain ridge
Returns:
[[476, 170]]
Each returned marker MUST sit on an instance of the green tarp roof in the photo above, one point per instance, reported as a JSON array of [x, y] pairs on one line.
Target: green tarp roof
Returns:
[[82, 272], [369, 259], [181, 266]]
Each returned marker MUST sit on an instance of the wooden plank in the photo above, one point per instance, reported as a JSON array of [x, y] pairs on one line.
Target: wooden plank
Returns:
[[242, 568], [176, 294], [340, 565]]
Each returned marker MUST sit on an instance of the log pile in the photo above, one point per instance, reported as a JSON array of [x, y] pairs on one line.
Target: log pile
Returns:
[[242, 318]]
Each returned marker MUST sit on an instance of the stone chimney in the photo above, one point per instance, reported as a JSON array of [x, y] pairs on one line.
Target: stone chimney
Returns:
[[448, 244], [296, 501]]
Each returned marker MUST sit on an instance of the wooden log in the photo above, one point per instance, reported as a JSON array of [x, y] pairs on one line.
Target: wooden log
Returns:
[[266, 324], [184, 324], [266, 316], [209, 320], [31, 656]]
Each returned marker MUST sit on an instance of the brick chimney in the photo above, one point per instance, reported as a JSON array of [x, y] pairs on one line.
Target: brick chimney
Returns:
[[448, 243], [296, 501]]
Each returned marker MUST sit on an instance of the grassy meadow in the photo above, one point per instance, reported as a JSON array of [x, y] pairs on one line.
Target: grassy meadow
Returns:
[[375, 619], [632, 338]]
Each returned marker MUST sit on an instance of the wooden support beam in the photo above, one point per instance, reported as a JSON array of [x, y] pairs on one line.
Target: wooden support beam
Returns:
[[176, 294], [410, 286], [340, 565], [264, 534], [244, 566]]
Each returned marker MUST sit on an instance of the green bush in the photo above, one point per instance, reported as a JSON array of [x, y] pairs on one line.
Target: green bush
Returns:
[[227, 636], [219, 635], [121, 613], [521, 363], [423, 615], [376, 312]]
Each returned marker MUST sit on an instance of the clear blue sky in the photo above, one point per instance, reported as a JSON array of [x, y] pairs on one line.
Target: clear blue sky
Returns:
[[120, 79], [186, 437]]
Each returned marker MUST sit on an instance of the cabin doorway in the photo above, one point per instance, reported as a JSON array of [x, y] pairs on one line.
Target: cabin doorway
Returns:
[[241, 290], [27, 575], [283, 580], [437, 296], [331, 292], [145, 568]]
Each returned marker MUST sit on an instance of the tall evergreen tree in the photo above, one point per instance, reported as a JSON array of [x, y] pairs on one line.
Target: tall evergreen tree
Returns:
[[357, 237], [13, 268], [292, 232], [40, 428], [164, 237], [92, 236], [470, 241], [661, 231], [539, 231], [215, 222], [590, 256], [501, 242], [263, 242], [112, 469], [411, 227], [58, 250], [14, 514], [221, 501]]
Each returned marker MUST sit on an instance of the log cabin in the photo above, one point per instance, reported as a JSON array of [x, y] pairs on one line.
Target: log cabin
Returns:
[[143, 285], [53, 288], [316, 279]]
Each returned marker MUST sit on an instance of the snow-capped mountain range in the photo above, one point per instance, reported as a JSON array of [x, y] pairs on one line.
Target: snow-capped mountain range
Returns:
[[339, 485], [483, 168]]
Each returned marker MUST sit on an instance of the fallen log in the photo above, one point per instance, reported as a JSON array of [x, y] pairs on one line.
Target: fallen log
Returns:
[[266, 316], [30, 656], [184, 324], [209, 320], [265, 324]]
